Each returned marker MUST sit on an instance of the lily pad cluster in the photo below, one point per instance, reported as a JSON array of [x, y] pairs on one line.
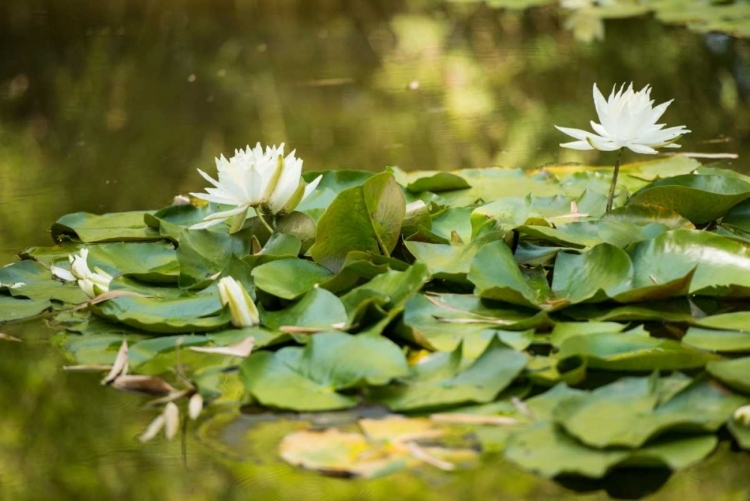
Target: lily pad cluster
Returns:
[[585, 17], [505, 302]]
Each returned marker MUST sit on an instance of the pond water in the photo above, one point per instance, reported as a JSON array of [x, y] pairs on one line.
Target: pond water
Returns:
[[111, 106]]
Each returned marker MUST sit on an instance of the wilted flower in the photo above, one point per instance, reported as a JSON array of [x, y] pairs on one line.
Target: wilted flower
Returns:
[[264, 180], [241, 305], [628, 120], [92, 283]]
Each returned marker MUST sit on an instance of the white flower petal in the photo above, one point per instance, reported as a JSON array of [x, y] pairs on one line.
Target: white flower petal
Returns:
[[599, 129], [576, 133], [602, 144], [642, 148], [626, 119], [577, 145], [62, 274], [311, 186], [206, 224]]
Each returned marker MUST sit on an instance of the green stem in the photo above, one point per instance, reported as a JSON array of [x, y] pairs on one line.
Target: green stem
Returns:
[[612, 186], [263, 220]]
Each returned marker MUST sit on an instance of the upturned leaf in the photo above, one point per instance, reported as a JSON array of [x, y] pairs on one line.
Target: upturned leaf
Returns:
[[362, 218]]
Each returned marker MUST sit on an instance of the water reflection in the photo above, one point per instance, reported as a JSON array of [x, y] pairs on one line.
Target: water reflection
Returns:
[[110, 106]]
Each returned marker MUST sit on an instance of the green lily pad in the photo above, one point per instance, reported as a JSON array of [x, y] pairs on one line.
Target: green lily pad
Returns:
[[117, 226], [700, 199], [722, 265], [723, 341], [317, 309], [13, 309], [439, 381], [312, 378], [289, 278], [31, 280], [634, 413], [171, 221], [564, 330], [645, 215], [453, 220], [601, 273], [496, 276], [436, 182], [549, 371], [738, 321], [166, 316], [669, 310], [203, 253], [444, 321], [734, 373], [145, 261], [629, 352], [362, 218], [493, 183], [381, 299], [548, 451]]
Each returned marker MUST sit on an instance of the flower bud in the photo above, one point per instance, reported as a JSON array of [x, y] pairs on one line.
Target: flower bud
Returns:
[[241, 305]]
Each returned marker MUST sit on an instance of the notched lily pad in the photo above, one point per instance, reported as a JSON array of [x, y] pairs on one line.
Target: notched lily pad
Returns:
[[441, 379], [317, 377], [117, 226]]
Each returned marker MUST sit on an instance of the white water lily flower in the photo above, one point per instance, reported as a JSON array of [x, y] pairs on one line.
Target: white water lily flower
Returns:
[[253, 178], [92, 283], [241, 305], [628, 120]]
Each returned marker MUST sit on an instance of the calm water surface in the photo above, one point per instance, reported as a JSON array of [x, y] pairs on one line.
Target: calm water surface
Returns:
[[111, 106]]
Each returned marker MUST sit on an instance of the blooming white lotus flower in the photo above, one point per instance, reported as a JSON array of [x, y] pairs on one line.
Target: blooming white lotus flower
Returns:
[[628, 120], [241, 305], [92, 283], [266, 181]]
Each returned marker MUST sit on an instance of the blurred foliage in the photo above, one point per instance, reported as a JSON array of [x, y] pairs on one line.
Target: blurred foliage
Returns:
[[96, 96], [112, 95]]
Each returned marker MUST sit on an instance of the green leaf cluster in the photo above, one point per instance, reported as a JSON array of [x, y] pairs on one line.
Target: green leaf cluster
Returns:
[[437, 292]]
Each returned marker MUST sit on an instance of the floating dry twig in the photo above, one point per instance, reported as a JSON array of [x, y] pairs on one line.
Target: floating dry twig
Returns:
[[419, 453], [449, 418]]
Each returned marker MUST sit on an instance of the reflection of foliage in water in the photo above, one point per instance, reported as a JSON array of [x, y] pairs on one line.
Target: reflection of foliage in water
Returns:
[[113, 97]]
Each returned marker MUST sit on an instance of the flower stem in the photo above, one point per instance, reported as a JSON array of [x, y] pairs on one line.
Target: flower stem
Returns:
[[265, 223], [612, 186]]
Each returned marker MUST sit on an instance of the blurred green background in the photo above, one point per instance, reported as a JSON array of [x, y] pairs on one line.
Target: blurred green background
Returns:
[[111, 106]]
